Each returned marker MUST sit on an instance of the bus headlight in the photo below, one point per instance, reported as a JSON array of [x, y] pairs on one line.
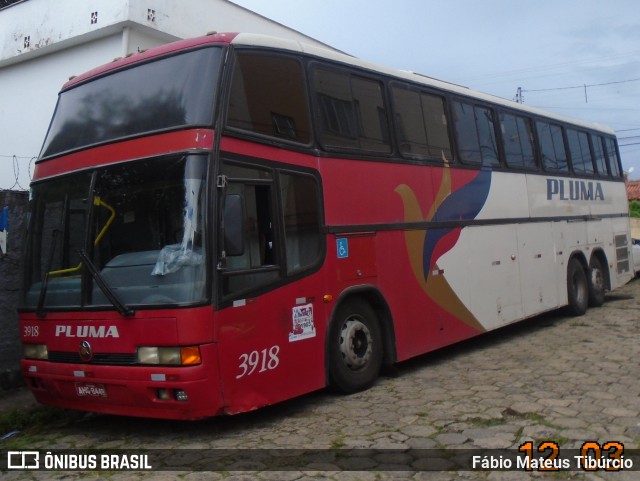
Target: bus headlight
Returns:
[[35, 351], [170, 356]]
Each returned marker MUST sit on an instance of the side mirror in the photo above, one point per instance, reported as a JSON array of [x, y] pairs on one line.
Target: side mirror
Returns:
[[233, 221]]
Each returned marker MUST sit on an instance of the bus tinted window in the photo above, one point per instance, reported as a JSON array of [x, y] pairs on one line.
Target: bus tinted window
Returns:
[[598, 154], [554, 156], [475, 134], [351, 112], [612, 157], [168, 93], [268, 97], [421, 124], [301, 213], [580, 152], [257, 263], [518, 141]]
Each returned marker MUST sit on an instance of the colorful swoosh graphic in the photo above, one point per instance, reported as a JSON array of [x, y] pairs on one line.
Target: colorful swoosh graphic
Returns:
[[426, 247]]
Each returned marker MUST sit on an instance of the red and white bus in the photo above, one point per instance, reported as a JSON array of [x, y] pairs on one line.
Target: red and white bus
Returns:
[[230, 221]]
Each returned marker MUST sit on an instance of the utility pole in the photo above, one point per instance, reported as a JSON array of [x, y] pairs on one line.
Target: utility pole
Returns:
[[519, 97]]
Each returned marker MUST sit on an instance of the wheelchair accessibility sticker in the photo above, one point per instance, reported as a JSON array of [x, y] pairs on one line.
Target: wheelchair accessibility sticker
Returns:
[[343, 248]]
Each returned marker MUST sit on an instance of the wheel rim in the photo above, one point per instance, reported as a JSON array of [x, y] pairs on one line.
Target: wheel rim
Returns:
[[580, 288], [597, 279], [355, 344]]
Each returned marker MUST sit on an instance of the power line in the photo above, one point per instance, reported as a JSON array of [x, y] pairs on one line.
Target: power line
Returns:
[[520, 99], [583, 86]]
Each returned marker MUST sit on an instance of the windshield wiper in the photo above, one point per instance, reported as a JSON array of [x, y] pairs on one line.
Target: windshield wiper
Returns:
[[104, 287]]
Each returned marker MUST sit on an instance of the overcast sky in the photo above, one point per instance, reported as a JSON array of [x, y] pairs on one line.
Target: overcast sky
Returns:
[[496, 46]]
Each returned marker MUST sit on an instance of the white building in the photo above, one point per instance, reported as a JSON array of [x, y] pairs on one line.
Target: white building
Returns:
[[44, 42]]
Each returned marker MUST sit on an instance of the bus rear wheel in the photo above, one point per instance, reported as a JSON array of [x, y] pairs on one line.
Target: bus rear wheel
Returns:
[[577, 288], [597, 282], [355, 347]]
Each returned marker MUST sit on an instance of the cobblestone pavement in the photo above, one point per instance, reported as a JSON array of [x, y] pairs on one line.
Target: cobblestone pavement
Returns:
[[557, 378]]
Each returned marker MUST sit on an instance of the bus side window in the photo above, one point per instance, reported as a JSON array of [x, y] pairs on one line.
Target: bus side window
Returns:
[[612, 157], [518, 141], [268, 97], [421, 124], [554, 155], [301, 216], [580, 152], [351, 112], [598, 152], [259, 246], [257, 262], [475, 134]]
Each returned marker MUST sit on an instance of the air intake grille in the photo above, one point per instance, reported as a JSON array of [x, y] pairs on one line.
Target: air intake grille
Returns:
[[101, 359], [622, 253]]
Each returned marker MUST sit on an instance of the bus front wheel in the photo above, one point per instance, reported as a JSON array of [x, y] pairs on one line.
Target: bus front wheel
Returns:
[[577, 288], [355, 347]]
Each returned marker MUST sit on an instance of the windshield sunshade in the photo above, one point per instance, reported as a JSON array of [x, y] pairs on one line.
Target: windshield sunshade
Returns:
[[172, 92]]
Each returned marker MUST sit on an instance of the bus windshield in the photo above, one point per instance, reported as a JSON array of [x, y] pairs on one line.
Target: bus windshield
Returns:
[[168, 93], [138, 224]]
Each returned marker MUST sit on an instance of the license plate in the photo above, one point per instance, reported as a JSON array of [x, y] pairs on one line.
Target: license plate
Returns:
[[86, 389]]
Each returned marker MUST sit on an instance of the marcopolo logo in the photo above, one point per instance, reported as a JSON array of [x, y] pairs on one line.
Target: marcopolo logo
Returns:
[[565, 189]]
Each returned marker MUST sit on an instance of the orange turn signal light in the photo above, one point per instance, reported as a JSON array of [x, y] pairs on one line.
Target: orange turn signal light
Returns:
[[190, 356]]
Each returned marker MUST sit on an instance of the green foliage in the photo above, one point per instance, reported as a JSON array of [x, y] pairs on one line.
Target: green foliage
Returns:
[[33, 419], [634, 208]]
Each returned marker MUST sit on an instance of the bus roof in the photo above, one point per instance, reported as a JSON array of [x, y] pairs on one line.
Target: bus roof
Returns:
[[266, 41]]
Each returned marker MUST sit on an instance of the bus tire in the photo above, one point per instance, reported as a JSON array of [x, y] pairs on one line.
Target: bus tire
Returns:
[[355, 347], [577, 288], [597, 282]]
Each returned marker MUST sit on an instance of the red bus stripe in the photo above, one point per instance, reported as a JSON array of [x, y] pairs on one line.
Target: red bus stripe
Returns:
[[184, 140]]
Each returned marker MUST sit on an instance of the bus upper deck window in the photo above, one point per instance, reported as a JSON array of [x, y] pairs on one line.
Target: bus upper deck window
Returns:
[[268, 97]]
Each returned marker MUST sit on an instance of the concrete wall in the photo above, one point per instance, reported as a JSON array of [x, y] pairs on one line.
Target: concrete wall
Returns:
[[10, 283], [635, 228], [28, 95]]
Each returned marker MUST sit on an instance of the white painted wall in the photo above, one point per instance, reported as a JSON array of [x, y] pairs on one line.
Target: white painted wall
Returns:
[[63, 41], [53, 25], [28, 94]]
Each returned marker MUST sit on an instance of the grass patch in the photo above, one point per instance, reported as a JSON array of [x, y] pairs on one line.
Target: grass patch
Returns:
[[34, 420], [338, 443]]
